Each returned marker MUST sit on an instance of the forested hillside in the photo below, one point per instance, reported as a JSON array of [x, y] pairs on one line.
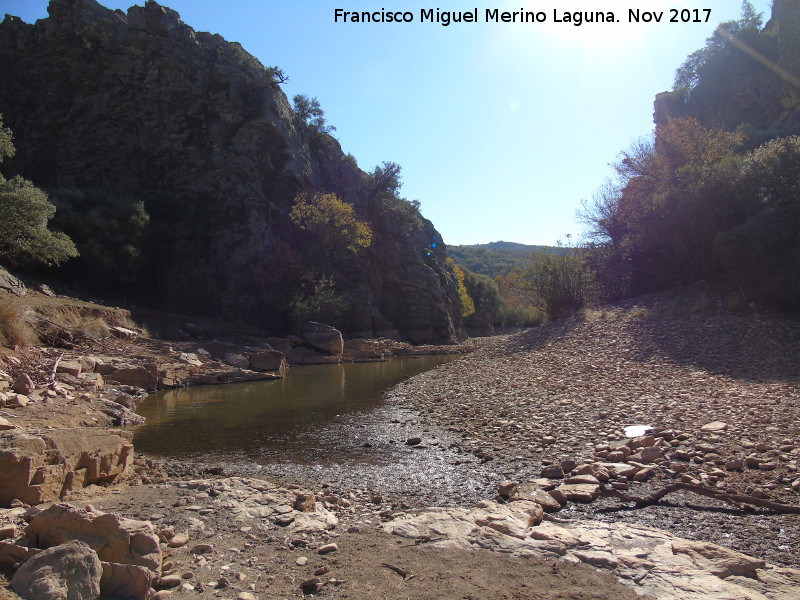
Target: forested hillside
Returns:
[[491, 259]]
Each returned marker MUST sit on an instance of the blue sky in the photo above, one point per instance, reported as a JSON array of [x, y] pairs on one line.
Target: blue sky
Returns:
[[501, 128]]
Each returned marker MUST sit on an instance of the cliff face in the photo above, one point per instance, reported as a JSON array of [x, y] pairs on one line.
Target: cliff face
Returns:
[[753, 84], [194, 126]]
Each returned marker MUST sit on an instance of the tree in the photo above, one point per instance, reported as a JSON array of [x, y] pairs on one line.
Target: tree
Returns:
[[109, 229], [311, 112], [277, 75], [558, 279], [332, 222], [25, 239], [718, 45], [467, 305]]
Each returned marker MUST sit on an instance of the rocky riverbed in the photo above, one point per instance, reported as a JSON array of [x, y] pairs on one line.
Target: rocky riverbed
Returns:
[[719, 394], [526, 442]]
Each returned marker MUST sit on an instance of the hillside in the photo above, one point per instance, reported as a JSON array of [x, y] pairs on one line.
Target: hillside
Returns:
[[493, 258], [115, 112]]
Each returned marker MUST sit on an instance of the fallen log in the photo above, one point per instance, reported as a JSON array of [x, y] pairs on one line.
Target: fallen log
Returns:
[[735, 499]]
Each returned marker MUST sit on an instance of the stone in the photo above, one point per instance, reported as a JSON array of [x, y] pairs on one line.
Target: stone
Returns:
[[65, 572], [651, 454], [43, 467], [170, 581], [70, 367], [715, 426], [301, 561], [114, 538], [414, 441], [327, 549], [23, 385], [11, 284], [245, 596], [588, 479], [130, 582], [552, 472], [323, 337], [579, 492], [7, 531], [236, 360], [506, 489], [267, 360], [178, 540], [6, 425], [720, 561]]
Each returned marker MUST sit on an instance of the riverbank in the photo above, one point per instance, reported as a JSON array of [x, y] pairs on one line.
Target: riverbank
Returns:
[[538, 399], [720, 391]]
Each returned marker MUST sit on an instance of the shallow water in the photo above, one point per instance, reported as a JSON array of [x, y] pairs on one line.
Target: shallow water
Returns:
[[296, 418], [321, 424]]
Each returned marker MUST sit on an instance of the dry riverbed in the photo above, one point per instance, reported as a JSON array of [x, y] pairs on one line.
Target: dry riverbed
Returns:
[[719, 392]]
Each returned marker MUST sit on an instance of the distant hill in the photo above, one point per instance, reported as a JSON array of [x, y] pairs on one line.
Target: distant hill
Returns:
[[493, 258]]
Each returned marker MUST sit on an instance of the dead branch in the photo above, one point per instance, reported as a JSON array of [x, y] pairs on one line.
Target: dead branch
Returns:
[[734, 499], [55, 368], [402, 572]]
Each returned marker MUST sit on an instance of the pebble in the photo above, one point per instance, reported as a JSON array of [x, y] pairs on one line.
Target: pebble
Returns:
[[327, 549]]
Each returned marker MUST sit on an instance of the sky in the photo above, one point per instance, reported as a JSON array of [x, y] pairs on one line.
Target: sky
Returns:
[[501, 128]]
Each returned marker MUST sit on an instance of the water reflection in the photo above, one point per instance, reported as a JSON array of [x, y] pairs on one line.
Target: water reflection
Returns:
[[296, 419]]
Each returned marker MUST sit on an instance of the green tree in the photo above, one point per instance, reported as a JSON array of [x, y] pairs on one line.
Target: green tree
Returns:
[[25, 211], [558, 280], [311, 112], [109, 230], [718, 46]]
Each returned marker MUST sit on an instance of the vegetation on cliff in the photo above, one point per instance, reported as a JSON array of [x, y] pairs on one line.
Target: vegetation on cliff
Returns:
[[175, 159], [714, 192]]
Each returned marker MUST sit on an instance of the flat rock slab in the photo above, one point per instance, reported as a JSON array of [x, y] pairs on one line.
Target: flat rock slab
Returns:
[[655, 562]]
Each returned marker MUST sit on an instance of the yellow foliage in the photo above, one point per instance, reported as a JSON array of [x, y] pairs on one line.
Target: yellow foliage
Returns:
[[332, 221]]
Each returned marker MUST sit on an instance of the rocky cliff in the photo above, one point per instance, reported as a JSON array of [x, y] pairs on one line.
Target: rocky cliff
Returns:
[[751, 83], [140, 104]]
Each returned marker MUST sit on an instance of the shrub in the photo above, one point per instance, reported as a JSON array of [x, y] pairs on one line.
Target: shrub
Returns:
[[14, 328]]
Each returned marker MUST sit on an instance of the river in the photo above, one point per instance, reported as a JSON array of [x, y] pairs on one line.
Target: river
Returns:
[[319, 424]]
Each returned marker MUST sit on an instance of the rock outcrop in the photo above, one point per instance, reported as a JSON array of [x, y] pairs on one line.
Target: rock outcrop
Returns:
[[654, 561], [142, 105], [753, 86], [71, 570], [45, 466]]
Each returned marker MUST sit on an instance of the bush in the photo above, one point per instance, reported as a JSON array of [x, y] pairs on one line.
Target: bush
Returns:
[[14, 329], [25, 239], [559, 280]]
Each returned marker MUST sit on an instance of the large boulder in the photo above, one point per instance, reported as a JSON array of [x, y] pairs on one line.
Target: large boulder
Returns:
[[11, 284], [45, 466], [324, 338], [114, 538], [267, 360], [70, 571]]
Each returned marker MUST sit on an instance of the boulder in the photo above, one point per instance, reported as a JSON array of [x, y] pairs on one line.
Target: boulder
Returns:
[[130, 582], [114, 538], [23, 385], [11, 284], [70, 367], [43, 467], [267, 360], [579, 492], [69, 571], [324, 338]]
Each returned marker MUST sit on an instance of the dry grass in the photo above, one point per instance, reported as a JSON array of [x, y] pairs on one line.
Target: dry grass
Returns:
[[14, 328]]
